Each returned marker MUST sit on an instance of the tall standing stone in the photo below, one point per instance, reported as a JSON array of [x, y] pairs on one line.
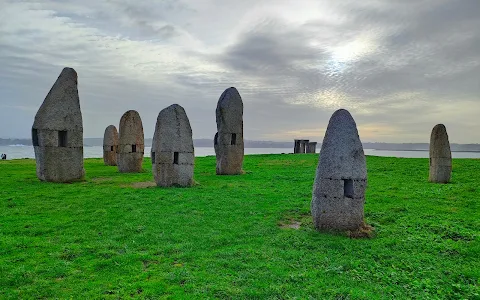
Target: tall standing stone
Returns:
[[130, 143], [228, 141], [440, 155], [57, 132], [172, 148], [340, 182], [110, 146]]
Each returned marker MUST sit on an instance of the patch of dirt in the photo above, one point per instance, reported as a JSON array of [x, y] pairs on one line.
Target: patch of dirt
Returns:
[[365, 231], [140, 185], [292, 224]]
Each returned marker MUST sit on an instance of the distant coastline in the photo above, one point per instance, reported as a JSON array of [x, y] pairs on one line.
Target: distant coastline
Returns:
[[270, 144]]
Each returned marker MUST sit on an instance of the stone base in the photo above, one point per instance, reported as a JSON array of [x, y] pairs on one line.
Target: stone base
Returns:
[[59, 164]]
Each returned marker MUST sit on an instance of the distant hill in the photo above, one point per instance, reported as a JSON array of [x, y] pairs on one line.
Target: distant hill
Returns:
[[269, 144]]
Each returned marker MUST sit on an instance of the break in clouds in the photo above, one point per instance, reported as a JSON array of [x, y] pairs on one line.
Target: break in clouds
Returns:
[[399, 67]]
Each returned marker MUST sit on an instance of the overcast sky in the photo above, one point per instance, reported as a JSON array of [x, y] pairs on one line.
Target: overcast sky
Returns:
[[398, 66]]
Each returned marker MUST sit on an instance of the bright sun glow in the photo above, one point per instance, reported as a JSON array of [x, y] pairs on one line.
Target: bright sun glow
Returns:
[[353, 50]]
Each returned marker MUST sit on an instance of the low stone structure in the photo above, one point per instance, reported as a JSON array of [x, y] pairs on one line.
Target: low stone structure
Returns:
[[110, 146], [57, 132], [311, 147], [296, 146], [440, 155], [172, 148], [300, 146], [130, 143], [228, 141], [341, 178]]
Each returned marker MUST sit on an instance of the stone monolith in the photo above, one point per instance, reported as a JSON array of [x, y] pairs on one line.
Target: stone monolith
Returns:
[[130, 143], [110, 146], [57, 132], [341, 178], [440, 155], [172, 148], [228, 141]]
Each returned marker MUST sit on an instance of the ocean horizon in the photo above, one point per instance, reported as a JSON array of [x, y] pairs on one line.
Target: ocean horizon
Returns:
[[19, 151]]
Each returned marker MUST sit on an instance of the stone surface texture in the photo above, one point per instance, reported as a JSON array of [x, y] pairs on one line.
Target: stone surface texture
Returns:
[[440, 155], [341, 178], [172, 148], [110, 146], [130, 137], [228, 141], [57, 132]]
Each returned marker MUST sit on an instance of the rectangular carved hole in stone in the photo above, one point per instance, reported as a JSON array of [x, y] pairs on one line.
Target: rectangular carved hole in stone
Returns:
[[111, 148], [62, 138], [134, 148], [348, 188], [215, 139], [175, 158], [34, 137], [234, 139], [153, 157]]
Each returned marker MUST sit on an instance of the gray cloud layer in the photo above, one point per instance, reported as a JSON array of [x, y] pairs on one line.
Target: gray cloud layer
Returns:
[[400, 67]]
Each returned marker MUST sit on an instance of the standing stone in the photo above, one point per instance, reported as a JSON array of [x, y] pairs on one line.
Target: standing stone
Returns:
[[228, 141], [110, 146], [311, 147], [131, 143], [340, 182], [440, 155], [57, 132], [172, 148]]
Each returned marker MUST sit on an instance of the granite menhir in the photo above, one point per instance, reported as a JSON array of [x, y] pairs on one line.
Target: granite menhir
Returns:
[[130, 143], [228, 141], [341, 179], [172, 148], [57, 132], [110, 146], [440, 155]]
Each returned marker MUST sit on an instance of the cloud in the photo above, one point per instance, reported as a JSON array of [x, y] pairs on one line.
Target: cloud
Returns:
[[400, 67]]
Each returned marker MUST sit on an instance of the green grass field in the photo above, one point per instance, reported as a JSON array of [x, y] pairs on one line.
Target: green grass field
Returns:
[[117, 236]]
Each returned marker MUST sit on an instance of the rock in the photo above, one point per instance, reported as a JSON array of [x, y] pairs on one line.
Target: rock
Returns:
[[57, 132], [440, 155], [110, 146], [130, 143], [228, 141], [341, 179], [172, 148]]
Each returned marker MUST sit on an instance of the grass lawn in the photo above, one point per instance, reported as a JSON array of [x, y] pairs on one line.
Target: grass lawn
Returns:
[[117, 236]]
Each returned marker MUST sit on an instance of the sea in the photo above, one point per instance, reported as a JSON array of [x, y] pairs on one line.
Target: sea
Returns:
[[22, 151]]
